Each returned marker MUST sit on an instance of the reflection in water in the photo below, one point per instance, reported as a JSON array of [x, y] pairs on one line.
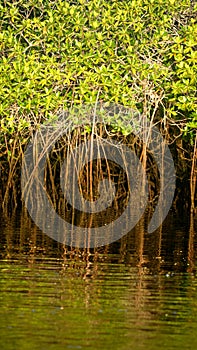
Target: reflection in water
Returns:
[[137, 293]]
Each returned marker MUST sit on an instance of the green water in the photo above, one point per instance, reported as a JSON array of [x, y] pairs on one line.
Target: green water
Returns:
[[126, 296]]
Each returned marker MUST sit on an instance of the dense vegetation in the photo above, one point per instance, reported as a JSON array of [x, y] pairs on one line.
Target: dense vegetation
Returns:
[[139, 53]]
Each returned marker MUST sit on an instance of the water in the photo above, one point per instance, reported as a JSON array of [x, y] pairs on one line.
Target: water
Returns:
[[138, 293]]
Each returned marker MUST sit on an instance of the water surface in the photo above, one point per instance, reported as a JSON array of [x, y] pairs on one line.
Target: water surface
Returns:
[[138, 293]]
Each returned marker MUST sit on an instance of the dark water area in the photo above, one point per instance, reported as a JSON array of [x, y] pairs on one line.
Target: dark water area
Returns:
[[137, 293]]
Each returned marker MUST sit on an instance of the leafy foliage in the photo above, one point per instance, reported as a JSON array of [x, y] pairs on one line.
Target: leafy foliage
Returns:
[[139, 53]]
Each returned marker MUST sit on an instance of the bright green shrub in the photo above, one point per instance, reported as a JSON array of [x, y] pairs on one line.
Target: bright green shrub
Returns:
[[138, 53]]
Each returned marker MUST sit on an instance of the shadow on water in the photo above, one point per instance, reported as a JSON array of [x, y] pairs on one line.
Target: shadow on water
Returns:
[[171, 248], [138, 292]]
